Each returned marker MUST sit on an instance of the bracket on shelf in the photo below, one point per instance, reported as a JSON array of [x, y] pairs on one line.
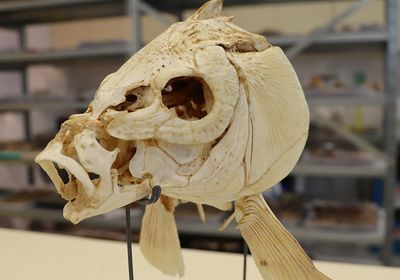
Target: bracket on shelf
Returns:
[[319, 32], [353, 138]]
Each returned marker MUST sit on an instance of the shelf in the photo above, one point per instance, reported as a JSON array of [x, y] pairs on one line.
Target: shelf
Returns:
[[343, 170], [42, 103], [345, 38], [13, 13], [300, 233], [21, 58], [116, 221], [348, 99], [12, 156], [193, 228], [21, 12], [177, 5], [13, 59], [359, 237], [367, 237]]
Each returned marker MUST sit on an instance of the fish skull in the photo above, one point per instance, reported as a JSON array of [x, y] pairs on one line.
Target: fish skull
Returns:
[[208, 111]]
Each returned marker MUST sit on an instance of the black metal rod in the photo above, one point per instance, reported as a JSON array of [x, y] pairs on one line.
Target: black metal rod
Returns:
[[129, 241], [245, 251], [155, 196]]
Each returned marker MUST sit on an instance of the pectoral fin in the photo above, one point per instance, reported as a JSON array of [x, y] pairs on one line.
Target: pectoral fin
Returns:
[[277, 254], [159, 241]]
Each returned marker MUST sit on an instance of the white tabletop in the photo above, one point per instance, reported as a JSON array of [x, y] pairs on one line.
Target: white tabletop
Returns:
[[29, 256]]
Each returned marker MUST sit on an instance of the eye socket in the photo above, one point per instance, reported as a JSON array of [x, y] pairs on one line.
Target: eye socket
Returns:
[[190, 97]]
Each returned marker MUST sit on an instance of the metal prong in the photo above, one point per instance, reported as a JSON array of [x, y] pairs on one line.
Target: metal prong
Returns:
[[245, 252], [155, 196]]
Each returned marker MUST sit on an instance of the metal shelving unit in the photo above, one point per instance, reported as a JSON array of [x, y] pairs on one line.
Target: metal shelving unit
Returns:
[[384, 167], [18, 14], [390, 141]]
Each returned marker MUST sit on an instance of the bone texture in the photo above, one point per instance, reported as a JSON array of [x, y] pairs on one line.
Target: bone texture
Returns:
[[211, 113]]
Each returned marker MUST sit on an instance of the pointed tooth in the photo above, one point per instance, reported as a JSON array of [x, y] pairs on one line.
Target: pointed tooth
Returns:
[[202, 215], [227, 222]]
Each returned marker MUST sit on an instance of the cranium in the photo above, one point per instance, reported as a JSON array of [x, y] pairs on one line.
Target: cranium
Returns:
[[208, 111]]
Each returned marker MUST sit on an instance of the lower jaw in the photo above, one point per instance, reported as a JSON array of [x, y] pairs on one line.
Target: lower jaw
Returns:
[[121, 196]]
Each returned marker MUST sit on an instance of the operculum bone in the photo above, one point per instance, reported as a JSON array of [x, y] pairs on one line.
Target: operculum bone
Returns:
[[278, 116]]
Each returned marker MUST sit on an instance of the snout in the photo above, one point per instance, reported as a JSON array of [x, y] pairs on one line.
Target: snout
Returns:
[[75, 186], [55, 163], [90, 183]]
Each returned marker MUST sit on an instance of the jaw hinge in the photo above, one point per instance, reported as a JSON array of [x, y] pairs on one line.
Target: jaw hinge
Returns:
[[154, 197]]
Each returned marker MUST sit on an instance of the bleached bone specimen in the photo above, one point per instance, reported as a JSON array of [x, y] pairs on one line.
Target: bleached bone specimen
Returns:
[[210, 112]]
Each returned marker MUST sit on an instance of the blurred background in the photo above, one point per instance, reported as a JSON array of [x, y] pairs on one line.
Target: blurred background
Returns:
[[342, 201]]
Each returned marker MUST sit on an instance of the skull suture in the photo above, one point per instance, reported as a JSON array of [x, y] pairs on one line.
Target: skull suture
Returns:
[[210, 112]]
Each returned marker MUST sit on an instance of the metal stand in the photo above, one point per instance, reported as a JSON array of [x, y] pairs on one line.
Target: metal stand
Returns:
[[129, 241], [155, 196], [245, 252]]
